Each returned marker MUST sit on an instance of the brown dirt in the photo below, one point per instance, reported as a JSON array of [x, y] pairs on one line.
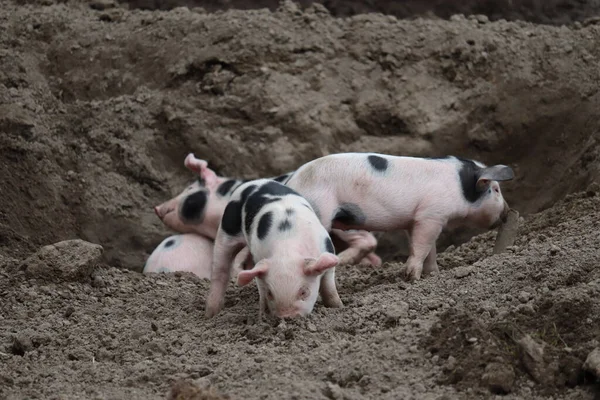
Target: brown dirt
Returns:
[[98, 108]]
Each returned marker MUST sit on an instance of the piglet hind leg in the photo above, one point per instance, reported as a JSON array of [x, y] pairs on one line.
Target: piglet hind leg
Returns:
[[422, 241], [328, 290], [430, 263], [224, 253], [361, 245]]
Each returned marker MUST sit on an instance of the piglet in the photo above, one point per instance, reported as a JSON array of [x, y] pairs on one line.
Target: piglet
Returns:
[[200, 206], [293, 254], [377, 192], [186, 253]]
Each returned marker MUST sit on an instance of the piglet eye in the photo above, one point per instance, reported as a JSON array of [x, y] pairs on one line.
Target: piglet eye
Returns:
[[270, 295], [497, 189]]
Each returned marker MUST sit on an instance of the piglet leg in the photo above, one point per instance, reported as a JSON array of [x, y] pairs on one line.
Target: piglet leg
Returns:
[[430, 263], [360, 245], [422, 240], [224, 253], [328, 291]]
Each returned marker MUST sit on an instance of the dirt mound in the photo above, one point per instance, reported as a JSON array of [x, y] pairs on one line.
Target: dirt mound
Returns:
[[521, 322], [99, 107]]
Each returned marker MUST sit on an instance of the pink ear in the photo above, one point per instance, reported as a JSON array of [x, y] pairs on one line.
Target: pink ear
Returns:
[[200, 167], [321, 264], [246, 276]]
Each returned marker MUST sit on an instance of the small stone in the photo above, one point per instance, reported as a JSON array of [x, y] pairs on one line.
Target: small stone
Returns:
[[482, 19], [554, 250], [499, 378], [396, 311], [526, 309], [435, 359], [68, 312], [593, 189], [311, 327], [450, 363], [21, 344], [102, 4], [461, 272], [472, 340], [523, 297], [592, 362]]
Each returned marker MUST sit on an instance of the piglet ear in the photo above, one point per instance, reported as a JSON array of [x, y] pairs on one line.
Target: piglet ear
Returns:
[[494, 173], [321, 264], [200, 167], [246, 276]]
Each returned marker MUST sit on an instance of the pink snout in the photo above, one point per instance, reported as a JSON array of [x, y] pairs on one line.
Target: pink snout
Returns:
[[162, 210], [288, 313]]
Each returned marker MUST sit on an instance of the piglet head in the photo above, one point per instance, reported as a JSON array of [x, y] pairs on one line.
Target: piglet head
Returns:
[[197, 209], [291, 286], [492, 208]]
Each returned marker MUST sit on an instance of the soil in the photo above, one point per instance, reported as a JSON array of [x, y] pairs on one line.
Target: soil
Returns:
[[99, 104]]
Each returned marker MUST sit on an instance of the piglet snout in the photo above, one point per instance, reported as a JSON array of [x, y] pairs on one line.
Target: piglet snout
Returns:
[[288, 313]]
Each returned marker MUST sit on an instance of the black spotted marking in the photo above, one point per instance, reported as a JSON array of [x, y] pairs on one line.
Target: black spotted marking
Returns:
[[225, 187], [169, 243], [329, 245], [258, 200], [231, 223], [285, 225], [253, 206], [350, 214], [468, 175], [289, 211], [282, 178], [264, 224], [378, 163], [193, 207]]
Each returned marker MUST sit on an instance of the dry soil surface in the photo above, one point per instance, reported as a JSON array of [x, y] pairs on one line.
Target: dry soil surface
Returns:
[[99, 106]]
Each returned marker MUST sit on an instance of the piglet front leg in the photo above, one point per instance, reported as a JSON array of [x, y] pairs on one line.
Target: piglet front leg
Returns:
[[328, 290], [423, 236], [224, 253]]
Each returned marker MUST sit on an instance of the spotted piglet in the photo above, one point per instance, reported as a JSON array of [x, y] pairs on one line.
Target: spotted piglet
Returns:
[[378, 192], [200, 206], [186, 253], [292, 252]]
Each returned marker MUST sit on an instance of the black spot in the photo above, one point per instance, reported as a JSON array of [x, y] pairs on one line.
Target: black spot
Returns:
[[192, 209], [258, 200], [438, 158], [282, 178], [232, 216], [275, 189], [468, 175], [231, 223], [378, 163], [225, 187], [350, 214], [329, 245], [285, 225], [254, 204], [170, 243], [264, 224], [289, 211]]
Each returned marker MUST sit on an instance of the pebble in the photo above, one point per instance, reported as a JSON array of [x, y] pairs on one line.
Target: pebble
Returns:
[[524, 297], [592, 362], [461, 272]]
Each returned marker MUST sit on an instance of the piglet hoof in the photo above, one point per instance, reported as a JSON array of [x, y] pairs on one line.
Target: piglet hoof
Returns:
[[412, 273], [333, 302], [373, 259], [213, 306]]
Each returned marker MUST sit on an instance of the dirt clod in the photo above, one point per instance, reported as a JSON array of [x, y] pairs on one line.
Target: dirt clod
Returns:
[[592, 362], [69, 260], [499, 378]]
